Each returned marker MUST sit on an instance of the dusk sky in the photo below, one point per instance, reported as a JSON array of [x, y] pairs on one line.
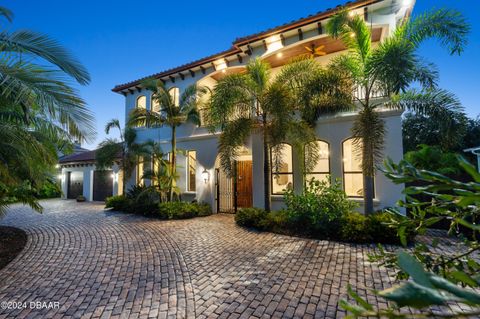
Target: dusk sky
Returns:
[[120, 41]]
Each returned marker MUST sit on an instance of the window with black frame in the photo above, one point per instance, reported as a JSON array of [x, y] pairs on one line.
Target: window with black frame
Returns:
[[282, 168], [352, 168], [321, 170]]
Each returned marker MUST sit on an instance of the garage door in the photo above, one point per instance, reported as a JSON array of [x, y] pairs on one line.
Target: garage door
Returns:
[[102, 185], [75, 184]]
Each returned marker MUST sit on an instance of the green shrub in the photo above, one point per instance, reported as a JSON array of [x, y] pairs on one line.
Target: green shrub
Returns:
[[118, 203], [383, 228], [354, 228], [378, 228], [278, 222], [433, 158], [146, 202], [203, 209], [251, 217], [177, 210], [49, 189], [318, 210]]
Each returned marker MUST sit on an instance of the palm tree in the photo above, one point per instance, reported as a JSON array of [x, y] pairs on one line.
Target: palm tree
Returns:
[[173, 112], [39, 109], [160, 173], [129, 152], [390, 68], [255, 102]]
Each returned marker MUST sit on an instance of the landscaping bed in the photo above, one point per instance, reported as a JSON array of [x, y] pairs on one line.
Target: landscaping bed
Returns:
[[12, 242], [145, 201], [323, 211]]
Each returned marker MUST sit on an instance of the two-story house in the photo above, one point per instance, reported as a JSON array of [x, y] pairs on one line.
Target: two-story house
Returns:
[[201, 176]]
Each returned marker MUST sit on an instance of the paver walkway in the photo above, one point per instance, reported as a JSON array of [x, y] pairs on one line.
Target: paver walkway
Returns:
[[100, 264]]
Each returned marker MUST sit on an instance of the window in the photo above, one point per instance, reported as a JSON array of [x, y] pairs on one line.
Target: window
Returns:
[[155, 106], [175, 94], [192, 168], [140, 171], [282, 168], [141, 102], [352, 169], [321, 170]]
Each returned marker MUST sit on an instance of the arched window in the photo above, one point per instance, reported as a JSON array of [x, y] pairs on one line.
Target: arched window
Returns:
[[352, 168], [141, 102], [175, 94], [321, 170], [155, 106], [282, 168]]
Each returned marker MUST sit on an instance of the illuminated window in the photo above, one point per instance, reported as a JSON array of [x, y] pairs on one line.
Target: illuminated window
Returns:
[[140, 171], [155, 106], [175, 94], [141, 102], [282, 168], [321, 170], [352, 169], [192, 168]]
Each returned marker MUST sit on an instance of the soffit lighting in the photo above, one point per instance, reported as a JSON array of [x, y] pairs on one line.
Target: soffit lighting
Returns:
[[274, 43], [220, 65]]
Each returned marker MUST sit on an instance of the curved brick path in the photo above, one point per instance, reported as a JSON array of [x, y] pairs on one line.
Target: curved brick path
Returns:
[[109, 265]]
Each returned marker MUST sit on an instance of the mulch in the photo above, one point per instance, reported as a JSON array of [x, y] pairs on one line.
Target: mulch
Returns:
[[12, 241]]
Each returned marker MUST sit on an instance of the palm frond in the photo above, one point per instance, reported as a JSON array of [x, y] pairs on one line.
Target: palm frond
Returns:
[[233, 137], [448, 26], [6, 13], [42, 46]]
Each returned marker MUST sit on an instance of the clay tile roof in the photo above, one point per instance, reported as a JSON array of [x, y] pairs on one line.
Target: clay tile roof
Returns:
[[248, 39], [78, 157]]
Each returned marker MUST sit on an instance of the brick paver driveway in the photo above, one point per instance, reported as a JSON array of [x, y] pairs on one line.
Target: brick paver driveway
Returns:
[[104, 264]]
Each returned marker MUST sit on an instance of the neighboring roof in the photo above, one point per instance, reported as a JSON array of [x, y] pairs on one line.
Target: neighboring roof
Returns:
[[235, 49], [78, 149], [78, 157]]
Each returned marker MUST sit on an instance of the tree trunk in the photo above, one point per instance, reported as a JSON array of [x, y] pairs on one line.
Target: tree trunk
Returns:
[[368, 194], [173, 163], [266, 170]]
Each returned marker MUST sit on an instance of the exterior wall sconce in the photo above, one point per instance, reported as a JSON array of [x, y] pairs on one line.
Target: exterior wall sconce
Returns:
[[205, 175]]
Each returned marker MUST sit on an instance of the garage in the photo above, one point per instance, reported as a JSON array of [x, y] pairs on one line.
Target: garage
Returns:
[[102, 185], [75, 184], [79, 176]]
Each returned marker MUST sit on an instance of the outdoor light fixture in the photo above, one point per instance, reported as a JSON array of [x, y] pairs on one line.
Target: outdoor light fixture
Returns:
[[59, 176], [57, 166], [205, 175], [279, 54], [351, 13]]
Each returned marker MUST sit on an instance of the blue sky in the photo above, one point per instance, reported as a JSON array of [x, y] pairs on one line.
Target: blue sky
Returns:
[[120, 41]]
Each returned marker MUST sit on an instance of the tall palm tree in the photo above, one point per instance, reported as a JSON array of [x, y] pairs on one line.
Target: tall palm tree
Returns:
[[390, 68], [255, 102], [129, 152], [39, 109], [173, 112]]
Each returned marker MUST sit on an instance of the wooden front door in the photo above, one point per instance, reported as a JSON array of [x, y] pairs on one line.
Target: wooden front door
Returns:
[[244, 184]]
